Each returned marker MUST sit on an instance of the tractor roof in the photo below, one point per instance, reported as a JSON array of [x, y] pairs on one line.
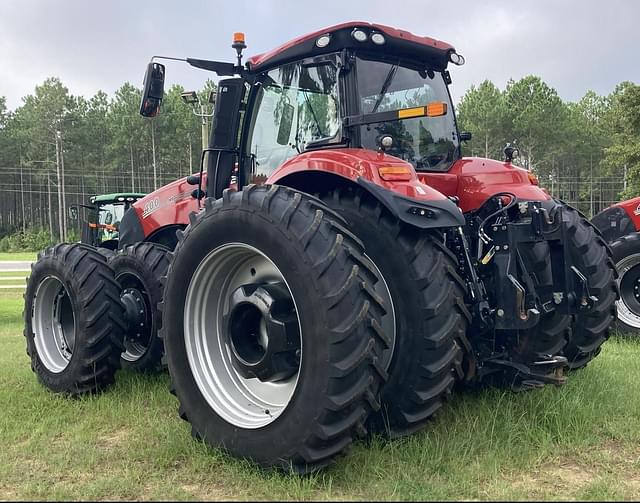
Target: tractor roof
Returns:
[[398, 43], [118, 197]]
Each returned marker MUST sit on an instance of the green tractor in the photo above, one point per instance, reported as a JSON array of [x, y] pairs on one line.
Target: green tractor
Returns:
[[100, 227]]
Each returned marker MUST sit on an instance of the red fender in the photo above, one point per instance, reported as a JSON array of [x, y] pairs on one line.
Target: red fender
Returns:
[[352, 163]]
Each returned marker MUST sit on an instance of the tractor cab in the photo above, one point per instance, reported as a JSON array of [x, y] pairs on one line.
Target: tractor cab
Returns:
[[351, 86], [101, 222]]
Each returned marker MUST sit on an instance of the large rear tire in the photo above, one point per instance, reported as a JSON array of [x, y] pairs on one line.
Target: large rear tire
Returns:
[[139, 270], [591, 255], [626, 255], [428, 319], [73, 320], [260, 273]]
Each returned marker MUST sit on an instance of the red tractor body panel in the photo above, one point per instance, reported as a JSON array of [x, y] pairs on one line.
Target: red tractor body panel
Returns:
[[169, 205], [474, 180], [352, 163], [632, 209]]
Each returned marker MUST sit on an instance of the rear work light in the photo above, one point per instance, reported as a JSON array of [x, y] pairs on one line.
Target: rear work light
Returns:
[[323, 41], [378, 38], [456, 59], [359, 35], [395, 173], [533, 178]]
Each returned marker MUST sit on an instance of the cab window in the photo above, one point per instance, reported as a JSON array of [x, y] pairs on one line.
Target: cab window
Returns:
[[297, 105]]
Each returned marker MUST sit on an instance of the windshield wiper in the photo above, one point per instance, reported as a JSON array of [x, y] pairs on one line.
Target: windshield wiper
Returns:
[[313, 114], [385, 87]]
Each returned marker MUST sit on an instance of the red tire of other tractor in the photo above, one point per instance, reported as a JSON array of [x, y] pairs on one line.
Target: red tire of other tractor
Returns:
[[272, 329]]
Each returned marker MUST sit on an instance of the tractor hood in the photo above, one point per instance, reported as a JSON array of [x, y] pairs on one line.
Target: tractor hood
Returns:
[[476, 179]]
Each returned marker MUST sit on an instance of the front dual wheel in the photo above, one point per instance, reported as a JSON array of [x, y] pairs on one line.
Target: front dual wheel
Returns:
[[272, 329], [73, 320]]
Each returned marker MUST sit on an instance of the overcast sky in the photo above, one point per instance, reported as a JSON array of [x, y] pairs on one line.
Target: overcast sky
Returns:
[[573, 45]]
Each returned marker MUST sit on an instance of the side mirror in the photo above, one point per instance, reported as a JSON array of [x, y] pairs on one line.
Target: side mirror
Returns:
[[153, 90], [286, 122], [465, 136], [73, 212]]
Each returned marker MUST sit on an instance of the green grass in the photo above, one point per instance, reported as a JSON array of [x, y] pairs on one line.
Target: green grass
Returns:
[[10, 274], [18, 256], [13, 277], [579, 441]]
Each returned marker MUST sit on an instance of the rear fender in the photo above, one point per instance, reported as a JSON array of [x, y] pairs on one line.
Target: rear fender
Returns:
[[408, 199]]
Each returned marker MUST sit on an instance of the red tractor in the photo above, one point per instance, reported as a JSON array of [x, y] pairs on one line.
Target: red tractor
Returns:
[[620, 227], [359, 269]]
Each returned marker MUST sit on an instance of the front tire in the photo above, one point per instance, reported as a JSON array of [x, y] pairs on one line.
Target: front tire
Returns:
[[266, 272], [626, 255], [73, 320]]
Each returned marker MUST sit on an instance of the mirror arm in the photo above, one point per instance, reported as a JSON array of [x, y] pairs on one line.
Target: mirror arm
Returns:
[[167, 57], [219, 67]]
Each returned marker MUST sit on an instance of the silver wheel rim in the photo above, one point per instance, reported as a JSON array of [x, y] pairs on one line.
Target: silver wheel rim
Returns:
[[244, 402], [54, 325], [133, 351], [625, 313], [389, 319]]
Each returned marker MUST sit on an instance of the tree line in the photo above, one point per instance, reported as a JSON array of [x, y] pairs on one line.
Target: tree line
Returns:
[[57, 149]]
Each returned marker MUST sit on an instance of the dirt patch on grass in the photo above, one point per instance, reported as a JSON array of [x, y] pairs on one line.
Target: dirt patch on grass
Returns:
[[566, 477], [563, 480], [7, 493], [113, 439], [208, 492]]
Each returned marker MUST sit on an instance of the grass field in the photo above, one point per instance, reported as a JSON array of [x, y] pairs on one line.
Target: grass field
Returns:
[[18, 256], [579, 441]]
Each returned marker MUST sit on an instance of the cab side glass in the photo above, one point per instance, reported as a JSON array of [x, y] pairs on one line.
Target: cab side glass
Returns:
[[153, 90]]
